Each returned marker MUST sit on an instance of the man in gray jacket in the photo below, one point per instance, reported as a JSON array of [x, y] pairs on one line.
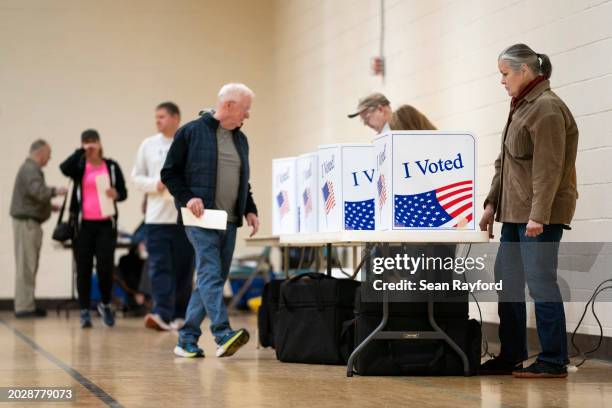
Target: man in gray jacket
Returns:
[[30, 207]]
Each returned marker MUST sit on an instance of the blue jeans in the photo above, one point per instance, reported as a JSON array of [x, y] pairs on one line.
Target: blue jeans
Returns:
[[170, 266], [213, 253], [533, 262]]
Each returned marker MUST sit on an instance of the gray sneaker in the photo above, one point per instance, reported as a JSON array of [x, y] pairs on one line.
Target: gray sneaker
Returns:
[[108, 315]]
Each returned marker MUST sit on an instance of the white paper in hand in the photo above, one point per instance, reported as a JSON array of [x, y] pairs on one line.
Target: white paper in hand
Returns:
[[212, 219], [107, 205]]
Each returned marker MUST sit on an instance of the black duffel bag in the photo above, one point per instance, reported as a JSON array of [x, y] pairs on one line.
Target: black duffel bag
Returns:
[[416, 357], [268, 311], [313, 308], [457, 308]]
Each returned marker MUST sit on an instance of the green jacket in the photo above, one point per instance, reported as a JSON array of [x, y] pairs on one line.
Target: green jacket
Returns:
[[535, 172], [31, 195]]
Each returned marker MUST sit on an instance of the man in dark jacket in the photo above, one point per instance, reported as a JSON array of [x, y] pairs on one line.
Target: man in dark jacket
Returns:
[[208, 167], [30, 207]]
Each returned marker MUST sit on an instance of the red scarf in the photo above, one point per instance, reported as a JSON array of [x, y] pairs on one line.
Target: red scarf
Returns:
[[515, 100]]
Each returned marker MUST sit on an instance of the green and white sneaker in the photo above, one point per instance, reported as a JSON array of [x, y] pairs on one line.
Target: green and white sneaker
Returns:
[[231, 342], [188, 350]]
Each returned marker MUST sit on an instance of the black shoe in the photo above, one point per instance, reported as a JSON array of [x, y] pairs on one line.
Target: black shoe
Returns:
[[541, 369], [499, 366], [33, 313]]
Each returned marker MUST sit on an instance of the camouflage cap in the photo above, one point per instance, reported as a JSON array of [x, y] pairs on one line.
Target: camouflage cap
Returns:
[[371, 101]]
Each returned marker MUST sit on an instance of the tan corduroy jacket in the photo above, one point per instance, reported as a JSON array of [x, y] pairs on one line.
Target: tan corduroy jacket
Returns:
[[535, 173]]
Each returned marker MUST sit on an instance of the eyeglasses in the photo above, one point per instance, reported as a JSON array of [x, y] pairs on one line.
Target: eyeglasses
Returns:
[[365, 115]]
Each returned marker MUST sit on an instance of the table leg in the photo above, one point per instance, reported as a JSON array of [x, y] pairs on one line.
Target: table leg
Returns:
[[247, 284], [378, 329], [371, 337], [329, 258], [285, 252], [73, 298]]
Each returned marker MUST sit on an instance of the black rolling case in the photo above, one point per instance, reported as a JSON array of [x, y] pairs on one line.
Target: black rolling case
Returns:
[[313, 308], [267, 313]]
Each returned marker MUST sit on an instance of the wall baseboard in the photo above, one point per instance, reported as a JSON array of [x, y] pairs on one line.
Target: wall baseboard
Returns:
[[49, 304]]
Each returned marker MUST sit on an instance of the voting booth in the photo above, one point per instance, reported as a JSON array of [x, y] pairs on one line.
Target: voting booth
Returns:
[[346, 192], [284, 208], [425, 180], [307, 187]]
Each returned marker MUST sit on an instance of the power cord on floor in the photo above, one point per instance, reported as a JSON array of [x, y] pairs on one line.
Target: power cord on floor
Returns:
[[598, 290], [485, 341], [365, 257], [579, 353], [584, 355]]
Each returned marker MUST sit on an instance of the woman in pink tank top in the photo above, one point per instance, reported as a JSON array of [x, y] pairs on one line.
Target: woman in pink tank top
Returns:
[[98, 186]]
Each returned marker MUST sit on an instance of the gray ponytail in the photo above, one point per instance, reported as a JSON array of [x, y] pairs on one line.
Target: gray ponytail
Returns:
[[519, 54]]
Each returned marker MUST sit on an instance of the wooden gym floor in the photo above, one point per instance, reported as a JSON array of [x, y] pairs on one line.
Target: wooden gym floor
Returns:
[[132, 367]]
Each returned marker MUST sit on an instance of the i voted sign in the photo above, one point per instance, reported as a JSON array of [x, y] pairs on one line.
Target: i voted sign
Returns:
[[346, 194], [284, 204], [425, 180], [307, 167]]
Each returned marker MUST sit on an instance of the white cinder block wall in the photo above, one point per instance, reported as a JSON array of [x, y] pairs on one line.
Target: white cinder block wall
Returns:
[[441, 57]]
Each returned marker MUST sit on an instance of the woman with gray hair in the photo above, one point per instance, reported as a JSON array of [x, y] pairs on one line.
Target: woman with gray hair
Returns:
[[533, 193]]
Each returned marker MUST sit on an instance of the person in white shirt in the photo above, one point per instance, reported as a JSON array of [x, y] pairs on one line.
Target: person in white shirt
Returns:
[[170, 261]]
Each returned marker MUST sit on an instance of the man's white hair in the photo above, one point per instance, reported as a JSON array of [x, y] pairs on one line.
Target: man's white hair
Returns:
[[233, 92]]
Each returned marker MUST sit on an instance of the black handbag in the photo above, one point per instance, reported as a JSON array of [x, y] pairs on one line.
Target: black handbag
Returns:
[[64, 231]]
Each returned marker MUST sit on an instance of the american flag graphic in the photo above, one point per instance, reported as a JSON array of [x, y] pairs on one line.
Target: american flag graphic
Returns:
[[382, 190], [448, 206], [359, 215], [307, 197], [328, 196], [282, 200]]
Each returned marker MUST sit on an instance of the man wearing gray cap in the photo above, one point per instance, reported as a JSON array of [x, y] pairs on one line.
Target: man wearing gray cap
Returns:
[[374, 111]]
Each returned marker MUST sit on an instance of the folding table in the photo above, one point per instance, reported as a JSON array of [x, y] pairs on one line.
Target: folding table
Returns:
[[385, 238]]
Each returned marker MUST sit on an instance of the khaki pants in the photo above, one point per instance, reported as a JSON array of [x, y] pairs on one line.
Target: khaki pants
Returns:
[[28, 240]]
